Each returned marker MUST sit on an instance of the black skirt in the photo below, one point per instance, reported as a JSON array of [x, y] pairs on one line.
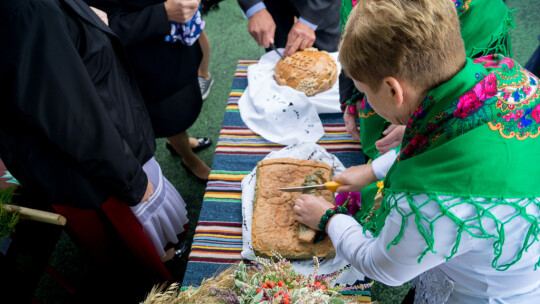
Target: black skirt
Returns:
[[176, 113]]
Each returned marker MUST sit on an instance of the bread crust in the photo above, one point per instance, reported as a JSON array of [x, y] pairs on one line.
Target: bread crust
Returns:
[[310, 71], [274, 226]]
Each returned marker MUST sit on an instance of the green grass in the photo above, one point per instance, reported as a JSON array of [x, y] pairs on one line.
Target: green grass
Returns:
[[230, 42]]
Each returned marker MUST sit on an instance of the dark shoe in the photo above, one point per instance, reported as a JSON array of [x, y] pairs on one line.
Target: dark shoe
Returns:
[[180, 249], [201, 180], [204, 142]]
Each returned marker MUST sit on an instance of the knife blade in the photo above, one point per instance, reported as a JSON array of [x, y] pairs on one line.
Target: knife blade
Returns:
[[332, 186], [273, 47]]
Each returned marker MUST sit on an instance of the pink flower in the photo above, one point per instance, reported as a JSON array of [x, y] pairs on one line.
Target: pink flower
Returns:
[[354, 204], [485, 58], [490, 86], [509, 62], [467, 105], [535, 114], [487, 88], [351, 110], [489, 61]]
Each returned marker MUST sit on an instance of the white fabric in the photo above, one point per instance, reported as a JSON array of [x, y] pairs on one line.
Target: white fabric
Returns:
[[309, 151], [470, 271], [382, 164], [281, 114], [163, 216]]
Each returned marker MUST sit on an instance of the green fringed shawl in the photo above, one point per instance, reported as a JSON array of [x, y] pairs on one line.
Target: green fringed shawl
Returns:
[[475, 136]]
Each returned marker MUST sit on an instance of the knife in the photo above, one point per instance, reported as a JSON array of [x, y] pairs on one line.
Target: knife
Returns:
[[332, 186], [273, 47]]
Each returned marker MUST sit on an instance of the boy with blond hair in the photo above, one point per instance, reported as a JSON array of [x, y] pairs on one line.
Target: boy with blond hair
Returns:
[[461, 205]]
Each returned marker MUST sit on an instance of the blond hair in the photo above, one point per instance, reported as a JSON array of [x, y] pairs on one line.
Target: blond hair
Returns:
[[418, 41]]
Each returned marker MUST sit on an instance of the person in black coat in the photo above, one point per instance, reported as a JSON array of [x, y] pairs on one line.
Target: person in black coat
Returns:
[[73, 126], [167, 73], [273, 22]]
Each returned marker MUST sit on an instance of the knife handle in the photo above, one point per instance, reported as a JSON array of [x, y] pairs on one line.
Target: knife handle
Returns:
[[332, 186]]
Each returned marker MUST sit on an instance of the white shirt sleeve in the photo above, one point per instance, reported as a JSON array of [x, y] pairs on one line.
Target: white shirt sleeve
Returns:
[[382, 164], [399, 263]]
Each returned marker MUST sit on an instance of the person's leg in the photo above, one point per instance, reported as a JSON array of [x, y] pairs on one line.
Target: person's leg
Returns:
[[181, 144], [205, 62], [205, 79]]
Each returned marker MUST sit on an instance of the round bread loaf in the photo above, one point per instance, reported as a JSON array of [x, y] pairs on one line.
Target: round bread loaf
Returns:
[[310, 71]]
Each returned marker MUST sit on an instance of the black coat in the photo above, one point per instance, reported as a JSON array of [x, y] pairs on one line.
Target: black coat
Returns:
[[73, 126], [161, 68]]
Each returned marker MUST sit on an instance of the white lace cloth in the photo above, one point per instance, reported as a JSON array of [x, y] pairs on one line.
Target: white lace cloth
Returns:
[[163, 216], [281, 114], [309, 151]]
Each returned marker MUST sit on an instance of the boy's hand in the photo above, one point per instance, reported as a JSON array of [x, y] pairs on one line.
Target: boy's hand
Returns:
[[393, 137], [300, 37], [309, 209], [355, 178], [262, 28], [181, 11], [149, 191]]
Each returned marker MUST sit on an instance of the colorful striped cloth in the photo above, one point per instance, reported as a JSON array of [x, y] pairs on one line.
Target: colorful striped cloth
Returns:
[[217, 241]]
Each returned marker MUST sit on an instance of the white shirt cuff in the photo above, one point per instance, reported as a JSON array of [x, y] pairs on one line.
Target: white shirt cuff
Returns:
[[255, 8], [382, 164], [311, 25], [337, 226]]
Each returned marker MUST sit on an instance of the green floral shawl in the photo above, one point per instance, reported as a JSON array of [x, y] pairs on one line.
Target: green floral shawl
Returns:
[[475, 136]]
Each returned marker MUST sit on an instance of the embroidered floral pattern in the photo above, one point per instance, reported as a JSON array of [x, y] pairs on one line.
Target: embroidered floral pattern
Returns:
[[462, 6], [365, 110], [506, 99]]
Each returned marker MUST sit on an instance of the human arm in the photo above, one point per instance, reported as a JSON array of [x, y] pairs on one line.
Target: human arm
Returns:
[[261, 25], [355, 178], [399, 263], [351, 121], [134, 25], [302, 33], [53, 93]]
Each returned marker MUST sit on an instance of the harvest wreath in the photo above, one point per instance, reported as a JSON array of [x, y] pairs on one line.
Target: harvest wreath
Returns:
[[265, 281]]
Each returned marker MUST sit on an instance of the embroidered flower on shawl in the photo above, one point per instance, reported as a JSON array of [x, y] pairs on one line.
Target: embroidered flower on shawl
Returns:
[[524, 122], [418, 141], [489, 61], [468, 104], [509, 63], [515, 116], [535, 114], [473, 100]]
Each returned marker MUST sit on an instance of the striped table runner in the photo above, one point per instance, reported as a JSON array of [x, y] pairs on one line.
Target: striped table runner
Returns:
[[217, 241]]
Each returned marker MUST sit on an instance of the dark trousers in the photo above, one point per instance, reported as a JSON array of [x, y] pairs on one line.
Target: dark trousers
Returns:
[[533, 65], [327, 33]]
